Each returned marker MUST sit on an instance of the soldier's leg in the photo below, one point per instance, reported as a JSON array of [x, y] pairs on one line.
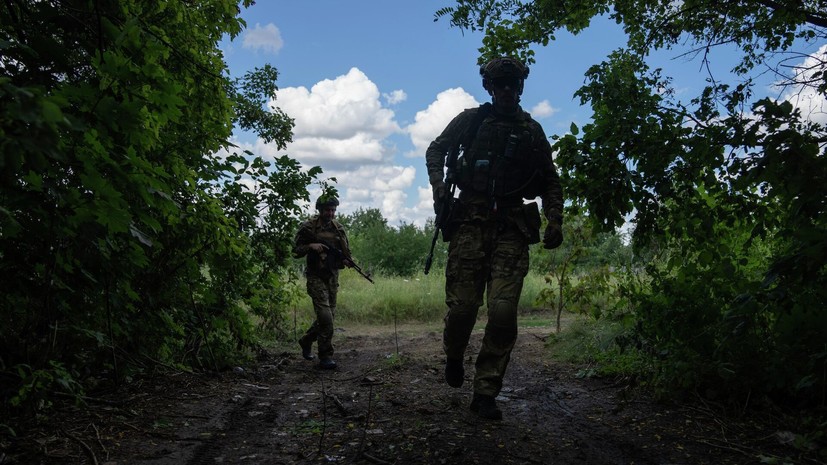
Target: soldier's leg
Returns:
[[322, 328], [325, 337], [465, 276], [309, 336], [509, 266], [312, 332]]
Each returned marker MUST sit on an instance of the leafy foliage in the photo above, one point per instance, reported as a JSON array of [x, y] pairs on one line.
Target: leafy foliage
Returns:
[[395, 251], [132, 234], [727, 191]]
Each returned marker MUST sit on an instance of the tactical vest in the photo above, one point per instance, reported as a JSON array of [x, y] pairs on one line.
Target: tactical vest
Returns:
[[328, 261], [501, 163]]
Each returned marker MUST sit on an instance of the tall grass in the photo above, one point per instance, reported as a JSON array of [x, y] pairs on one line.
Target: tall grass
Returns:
[[420, 299]]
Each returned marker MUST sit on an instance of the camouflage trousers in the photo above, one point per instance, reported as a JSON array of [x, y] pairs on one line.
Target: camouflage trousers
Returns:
[[322, 291], [492, 258]]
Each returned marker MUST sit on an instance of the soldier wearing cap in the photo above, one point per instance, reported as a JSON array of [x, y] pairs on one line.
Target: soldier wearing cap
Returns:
[[313, 240], [505, 161]]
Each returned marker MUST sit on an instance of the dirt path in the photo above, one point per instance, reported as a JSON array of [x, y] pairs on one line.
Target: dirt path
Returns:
[[380, 407]]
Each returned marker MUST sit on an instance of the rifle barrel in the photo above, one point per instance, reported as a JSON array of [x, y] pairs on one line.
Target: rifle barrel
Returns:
[[342, 254]]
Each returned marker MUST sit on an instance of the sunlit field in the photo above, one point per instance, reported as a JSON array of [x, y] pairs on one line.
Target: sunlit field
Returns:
[[390, 300]]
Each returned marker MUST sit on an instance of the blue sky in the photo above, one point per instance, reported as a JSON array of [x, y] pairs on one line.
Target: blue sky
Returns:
[[371, 82]]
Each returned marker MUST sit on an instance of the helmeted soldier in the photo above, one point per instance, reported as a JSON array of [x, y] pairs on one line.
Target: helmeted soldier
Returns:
[[314, 240], [505, 160]]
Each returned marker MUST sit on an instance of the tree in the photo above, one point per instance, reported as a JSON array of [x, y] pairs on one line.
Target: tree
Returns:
[[729, 186], [128, 235], [398, 251]]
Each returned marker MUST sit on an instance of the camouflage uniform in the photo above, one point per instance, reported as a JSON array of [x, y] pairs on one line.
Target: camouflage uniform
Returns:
[[322, 273], [491, 228]]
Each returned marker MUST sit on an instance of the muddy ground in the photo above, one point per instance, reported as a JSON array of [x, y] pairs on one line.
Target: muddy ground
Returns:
[[387, 403]]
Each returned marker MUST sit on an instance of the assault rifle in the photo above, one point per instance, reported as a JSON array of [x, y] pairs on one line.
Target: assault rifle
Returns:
[[343, 256]]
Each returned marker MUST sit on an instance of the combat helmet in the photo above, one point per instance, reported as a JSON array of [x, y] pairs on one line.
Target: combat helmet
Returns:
[[503, 67], [326, 201]]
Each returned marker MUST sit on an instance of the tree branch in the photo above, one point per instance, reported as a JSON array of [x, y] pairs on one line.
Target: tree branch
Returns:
[[811, 18]]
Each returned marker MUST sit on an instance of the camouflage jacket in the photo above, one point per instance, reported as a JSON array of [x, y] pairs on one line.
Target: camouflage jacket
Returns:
[[332, 234]]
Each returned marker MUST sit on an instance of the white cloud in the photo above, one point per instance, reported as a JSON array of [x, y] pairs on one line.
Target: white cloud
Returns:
[[417, 215], [381, 187], [543, 110], [267, 38], [424, 208], [430, 122], [337, 108], [379, 180], [395, 97], [812, 104], [340, 124], [339, 154]]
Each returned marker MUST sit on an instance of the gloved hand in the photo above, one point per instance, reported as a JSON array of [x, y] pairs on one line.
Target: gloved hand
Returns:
[[438, 189], [553, 236]]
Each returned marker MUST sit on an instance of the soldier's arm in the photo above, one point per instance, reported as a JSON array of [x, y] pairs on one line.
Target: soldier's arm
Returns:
[[301, 244], [552, 194], [439, 148]]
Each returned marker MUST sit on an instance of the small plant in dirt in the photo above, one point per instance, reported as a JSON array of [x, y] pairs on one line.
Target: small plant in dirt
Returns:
[[310, 427], [395, 360]]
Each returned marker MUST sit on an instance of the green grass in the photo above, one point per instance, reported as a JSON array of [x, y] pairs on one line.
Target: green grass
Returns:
[[409, 303], [390, 300]]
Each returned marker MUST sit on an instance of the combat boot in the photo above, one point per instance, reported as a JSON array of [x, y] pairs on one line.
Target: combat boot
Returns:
[[454, 372], [327, 364], [307, 349], [486, 407]]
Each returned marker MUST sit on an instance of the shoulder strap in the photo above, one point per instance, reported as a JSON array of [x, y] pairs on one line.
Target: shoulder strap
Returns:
[[463, 143], [471, 131]]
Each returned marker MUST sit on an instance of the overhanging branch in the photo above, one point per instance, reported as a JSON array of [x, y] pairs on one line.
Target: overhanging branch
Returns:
[[811, 18]]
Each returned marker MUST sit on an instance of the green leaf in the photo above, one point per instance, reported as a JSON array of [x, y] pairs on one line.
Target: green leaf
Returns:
[[51, 112]]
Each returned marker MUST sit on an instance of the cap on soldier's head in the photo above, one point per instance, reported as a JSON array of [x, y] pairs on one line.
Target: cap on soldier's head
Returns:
[[326, 201], [503, 67]]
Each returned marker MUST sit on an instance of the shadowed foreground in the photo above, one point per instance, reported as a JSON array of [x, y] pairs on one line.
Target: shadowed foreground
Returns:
[[380, 407]]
